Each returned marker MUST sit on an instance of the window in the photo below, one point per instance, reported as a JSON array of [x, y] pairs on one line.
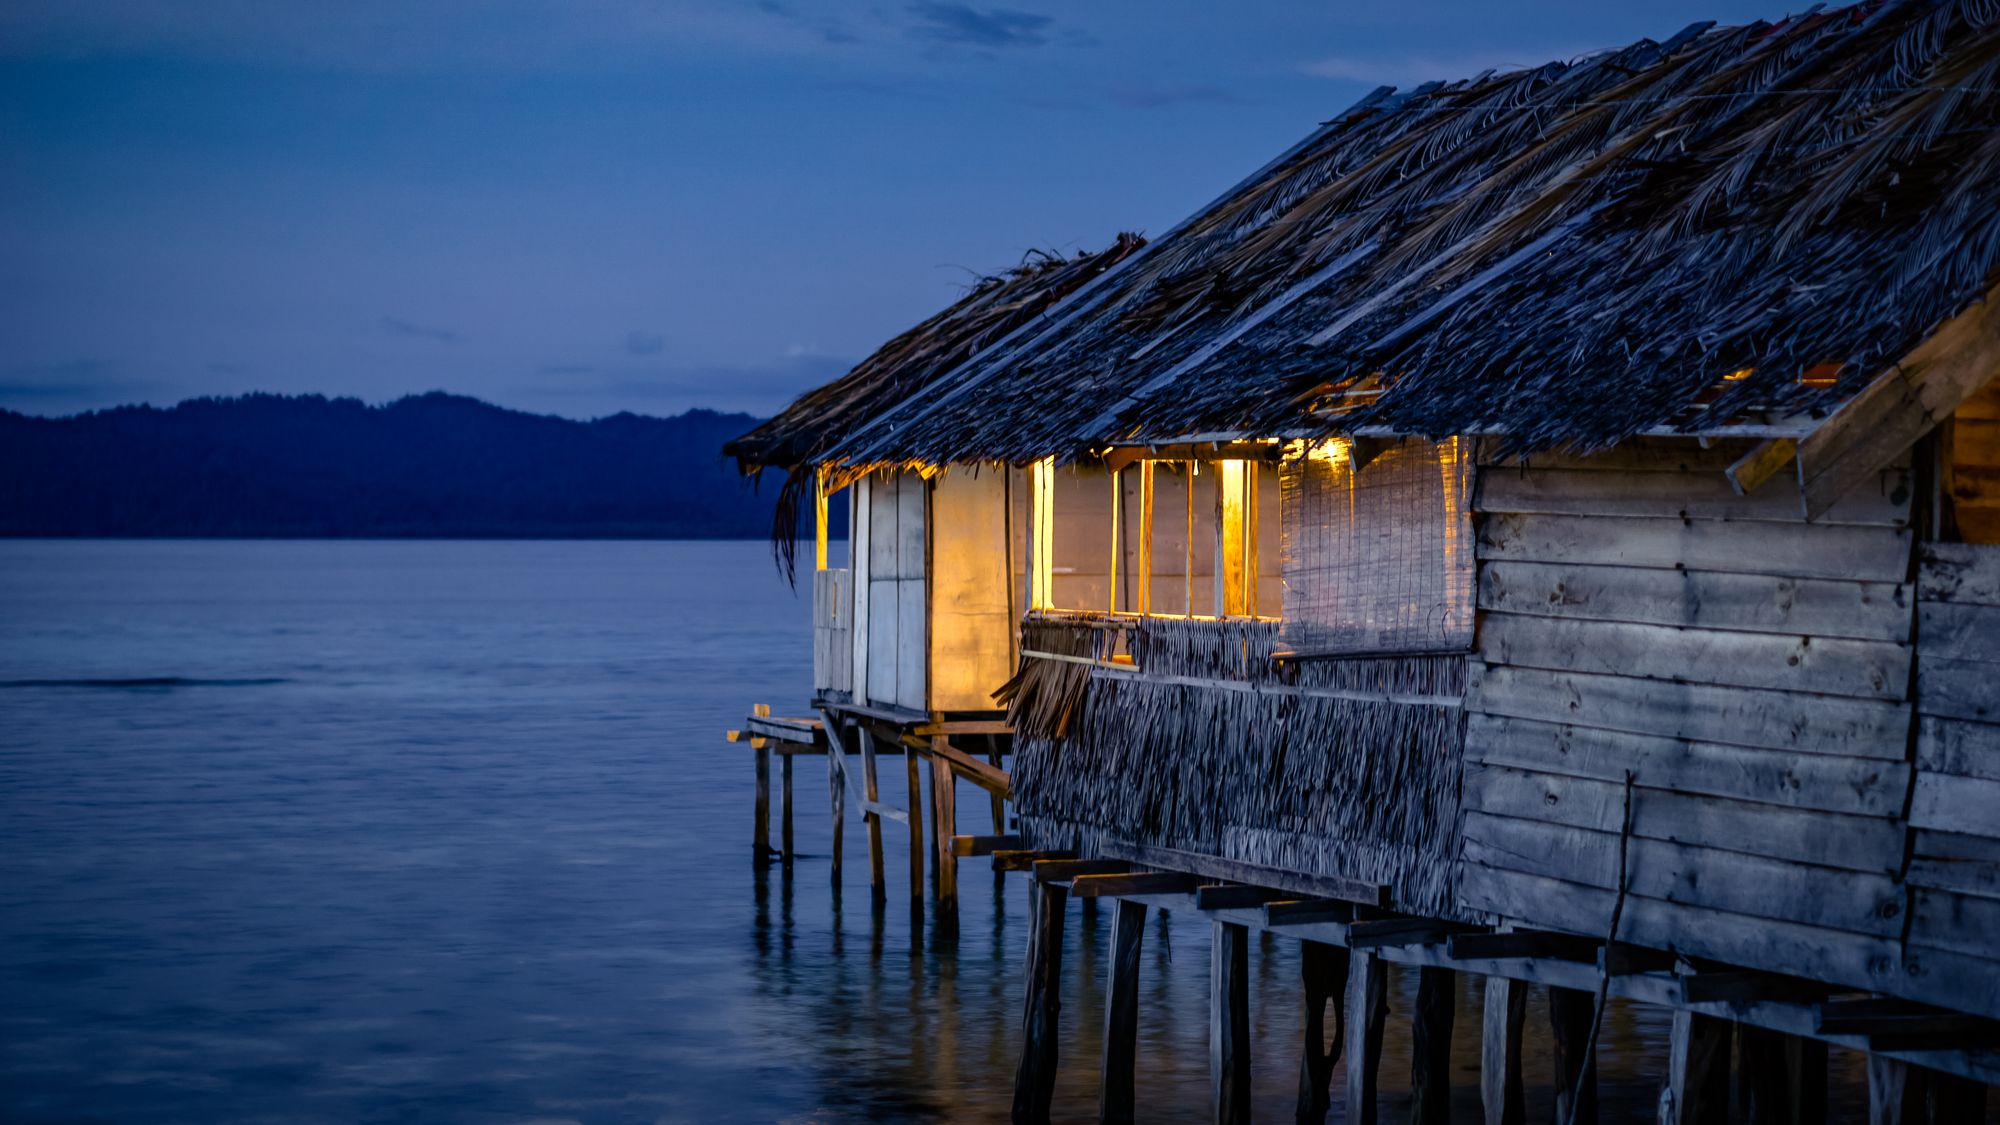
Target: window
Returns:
[[1378, 549]]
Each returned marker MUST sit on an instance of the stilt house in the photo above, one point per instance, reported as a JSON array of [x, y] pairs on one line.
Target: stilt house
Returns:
[[1560, 503]]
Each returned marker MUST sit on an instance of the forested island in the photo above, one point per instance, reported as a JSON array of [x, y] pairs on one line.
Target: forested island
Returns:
[[431, 465]]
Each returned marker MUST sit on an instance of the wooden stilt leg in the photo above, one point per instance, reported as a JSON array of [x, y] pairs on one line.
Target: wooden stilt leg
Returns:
[[871, 789], [785, 810], [1504, 1015], [944, 824], [760, 835], [1035, 1079], [836, 788], [1956, 1099], [1367, 1011], [1121, 1015], [916, 824], [1430, 1051], [1570, 1014], [1895, 1092], [1781, 1079], [1229, 1024], [999, 802], [1697, 1087], [1324, 969]]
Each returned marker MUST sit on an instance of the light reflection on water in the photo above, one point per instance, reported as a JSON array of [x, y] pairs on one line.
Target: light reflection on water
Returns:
[[481, 854]]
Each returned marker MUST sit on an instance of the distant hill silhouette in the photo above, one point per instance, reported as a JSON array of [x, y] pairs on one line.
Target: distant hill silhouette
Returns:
[[433, 465]]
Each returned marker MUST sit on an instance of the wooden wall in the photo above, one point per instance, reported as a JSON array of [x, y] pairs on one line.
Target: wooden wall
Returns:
[[1954, 874], [972, 617], [1749, 673], [1972, 467], [833, 641]]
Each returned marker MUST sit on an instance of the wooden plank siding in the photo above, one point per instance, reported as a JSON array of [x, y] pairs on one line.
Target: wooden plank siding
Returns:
[[1955, 801], [1751, 673]]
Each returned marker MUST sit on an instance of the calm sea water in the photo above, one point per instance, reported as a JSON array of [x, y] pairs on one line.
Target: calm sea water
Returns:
[[447, 831]]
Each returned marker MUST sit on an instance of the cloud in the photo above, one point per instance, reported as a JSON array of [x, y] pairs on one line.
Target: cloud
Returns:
[[1150, 96], [410, 330], [1408, 70], [961, 25], [644, 343], [828, 30]]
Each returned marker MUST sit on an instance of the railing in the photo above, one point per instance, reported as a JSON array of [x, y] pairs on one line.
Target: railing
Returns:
[[833, 636]]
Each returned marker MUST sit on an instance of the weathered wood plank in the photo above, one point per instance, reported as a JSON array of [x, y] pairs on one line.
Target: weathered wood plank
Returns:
[[1959, 572], [1501, 1092], [984, 845], [1858, 728], [1966, 876], [1697, 1086], [1863, 554], [1968, 924], [760, 834], [1132, 883], [1959, 631], [1828, 666], [1035, 1077], [1115, 1101], [1698, 876], [1903, 402], [1229, 1023], [1965, 805], [1957, 845], [1430, 1046], [1954, 746], [1323, 971], [1958, 689], [1863, 786], [1237, 871], [1678, 496], [1762, 603], [1759, 464], [1636, 454], [1366, 1012]]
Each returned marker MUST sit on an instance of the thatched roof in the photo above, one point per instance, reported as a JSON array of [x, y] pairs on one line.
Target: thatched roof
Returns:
[[1568, 255], [995, 306]]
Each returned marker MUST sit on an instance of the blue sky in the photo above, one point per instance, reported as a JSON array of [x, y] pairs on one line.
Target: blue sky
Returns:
[[586, 206]]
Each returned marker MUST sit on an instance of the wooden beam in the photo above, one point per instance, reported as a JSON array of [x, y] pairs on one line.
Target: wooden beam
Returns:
[[1373, 934], [972, 769], [1502, 1019], [884, 812], [760, 835], [1781, 1079], [1895, 1092], [1367, 1011], [1523, 944], [1741, 986], [1215, 867], [1008, 860], [1761, 463], [1229, 1023], [1570, 1017], [785, 811], [872, 810], [1621, 960], [1900, 405], [1035, 1077], [1307, 911], [1430, 1048], [1697, 1086], [944, 825], [998, 802], [1063, 870], [1233, 896], [836, 791], [1132, 883], [962, 726], [1323, 968], [916, 815], [1115, 1102], [983, 845]]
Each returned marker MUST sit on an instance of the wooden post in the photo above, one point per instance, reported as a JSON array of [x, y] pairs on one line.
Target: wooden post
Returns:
[[785, 810], [916, 824], [1500, 1089], [1143, 602], [944, 821], [836, 788], [760, 834], [1430, 1048], [1229, 1024], [1367, 1011], [1570, 1016], [873, 792], [999, 802], [1035, 1078], [1781, 1078], [1901, 1094], [1324, 969], [1115, 1105], [1697, 1086]]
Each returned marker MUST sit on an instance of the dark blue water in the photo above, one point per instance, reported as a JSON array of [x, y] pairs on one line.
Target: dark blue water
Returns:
[[310, 831]]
